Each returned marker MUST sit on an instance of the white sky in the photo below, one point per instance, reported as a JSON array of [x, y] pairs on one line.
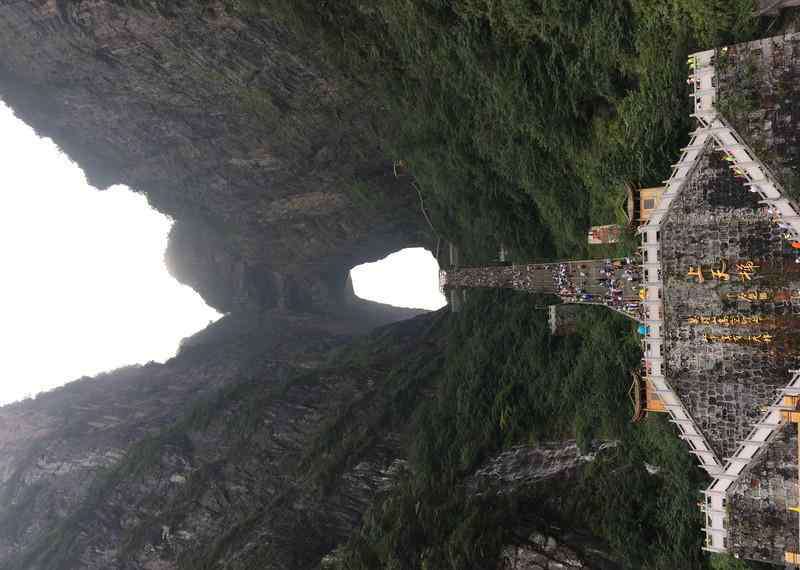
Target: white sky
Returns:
[[83, 286], [407, 278]]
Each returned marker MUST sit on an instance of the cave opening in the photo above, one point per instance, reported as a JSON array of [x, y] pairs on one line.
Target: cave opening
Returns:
[[407, 278], [84, 288]]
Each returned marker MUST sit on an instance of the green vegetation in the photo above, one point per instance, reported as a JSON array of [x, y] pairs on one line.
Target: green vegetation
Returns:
[[458, 392], [506, 381], [523, 121], [724, 562], [361, 194]]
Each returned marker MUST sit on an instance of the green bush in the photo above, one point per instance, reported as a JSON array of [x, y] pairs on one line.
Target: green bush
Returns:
[[504, 381], [523, 121]]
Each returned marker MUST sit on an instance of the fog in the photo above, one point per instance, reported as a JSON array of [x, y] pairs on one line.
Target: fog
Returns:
[[83, 287]]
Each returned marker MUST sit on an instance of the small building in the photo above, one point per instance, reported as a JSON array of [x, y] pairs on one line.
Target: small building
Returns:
[[642, 202], [604, 234], [644, 397]]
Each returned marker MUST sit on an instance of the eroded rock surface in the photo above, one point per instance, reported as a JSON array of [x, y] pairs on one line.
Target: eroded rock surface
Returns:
[[216, 457], [527, 465], [267, 158]]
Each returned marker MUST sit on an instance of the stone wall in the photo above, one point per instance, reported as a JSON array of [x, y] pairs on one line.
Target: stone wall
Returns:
[[761, 527], [718, 359], [758, 92]]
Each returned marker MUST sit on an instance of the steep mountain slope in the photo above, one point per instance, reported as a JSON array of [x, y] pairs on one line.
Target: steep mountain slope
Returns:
[[268, 160], [261, 445], [199, 461]]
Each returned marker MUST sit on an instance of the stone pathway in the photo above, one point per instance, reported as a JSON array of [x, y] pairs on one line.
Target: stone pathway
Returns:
[[612, 283]]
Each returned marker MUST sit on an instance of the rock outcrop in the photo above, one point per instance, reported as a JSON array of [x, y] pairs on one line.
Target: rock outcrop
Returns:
[[542, 553], [267, 157], [542, 546], [270, 163], [209, 460], [546, 552], [525, 466]]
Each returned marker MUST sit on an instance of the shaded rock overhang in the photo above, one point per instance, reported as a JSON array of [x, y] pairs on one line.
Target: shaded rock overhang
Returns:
[[267, 158]]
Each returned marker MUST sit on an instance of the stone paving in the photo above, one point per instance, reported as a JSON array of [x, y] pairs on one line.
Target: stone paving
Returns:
[[730, 279], [762, 527], [613, 283], [731, 304], [758, 85]]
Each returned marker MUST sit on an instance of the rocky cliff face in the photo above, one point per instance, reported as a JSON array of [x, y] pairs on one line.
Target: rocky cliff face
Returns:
[[267, 158], [201, 462], [259, 446], [270, 164]]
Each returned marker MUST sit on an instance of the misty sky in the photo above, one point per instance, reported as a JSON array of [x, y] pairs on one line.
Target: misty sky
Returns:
[[408, 278], [83, 286]]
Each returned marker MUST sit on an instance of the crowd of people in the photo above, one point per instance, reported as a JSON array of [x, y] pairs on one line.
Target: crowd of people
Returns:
[[613, 283]]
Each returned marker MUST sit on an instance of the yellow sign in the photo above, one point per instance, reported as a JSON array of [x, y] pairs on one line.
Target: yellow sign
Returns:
[[698, 273], [744, 270], [750, 296], [763, 338], [727, 320], [721, 273]]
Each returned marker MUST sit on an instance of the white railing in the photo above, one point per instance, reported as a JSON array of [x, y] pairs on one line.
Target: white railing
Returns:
[[758, 438], [654, 357], [760, 180]]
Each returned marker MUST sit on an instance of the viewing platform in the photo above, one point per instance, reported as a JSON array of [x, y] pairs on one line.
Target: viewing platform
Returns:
[[717, 290], [722, 279], [614, 283]]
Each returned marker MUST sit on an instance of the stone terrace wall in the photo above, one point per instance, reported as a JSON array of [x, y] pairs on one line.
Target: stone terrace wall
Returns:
[[761, 526], [716, 224], [758, 90]]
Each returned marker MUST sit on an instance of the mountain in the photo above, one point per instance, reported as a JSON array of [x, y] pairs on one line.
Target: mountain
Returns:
[[290, 141]]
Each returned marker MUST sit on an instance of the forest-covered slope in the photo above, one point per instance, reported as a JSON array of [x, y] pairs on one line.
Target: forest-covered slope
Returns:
[[523, 121]]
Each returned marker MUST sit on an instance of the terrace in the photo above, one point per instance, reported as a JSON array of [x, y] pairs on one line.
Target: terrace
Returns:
[[722, 306]]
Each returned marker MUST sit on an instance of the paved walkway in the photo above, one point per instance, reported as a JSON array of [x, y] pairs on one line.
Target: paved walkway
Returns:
[[612, 283]]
